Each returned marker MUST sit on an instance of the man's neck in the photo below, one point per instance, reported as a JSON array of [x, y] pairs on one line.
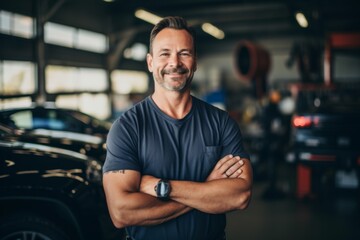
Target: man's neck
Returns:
[[174, 104]]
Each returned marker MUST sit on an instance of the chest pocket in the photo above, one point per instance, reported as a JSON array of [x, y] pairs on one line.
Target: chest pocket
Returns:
[[212, 154]]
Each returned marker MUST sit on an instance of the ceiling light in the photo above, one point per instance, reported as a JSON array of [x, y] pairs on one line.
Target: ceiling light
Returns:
[[213, 31], [147, 16], [301, 19]]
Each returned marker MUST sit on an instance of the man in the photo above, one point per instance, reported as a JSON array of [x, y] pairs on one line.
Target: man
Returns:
[[175, 164]]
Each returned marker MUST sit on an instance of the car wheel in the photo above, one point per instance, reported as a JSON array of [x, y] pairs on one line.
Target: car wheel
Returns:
[[30, 227]]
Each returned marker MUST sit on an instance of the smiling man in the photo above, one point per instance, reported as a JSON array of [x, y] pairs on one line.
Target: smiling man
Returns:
[[175, 164]]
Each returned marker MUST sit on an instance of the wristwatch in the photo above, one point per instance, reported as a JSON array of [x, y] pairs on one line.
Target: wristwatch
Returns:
[[162, 189]]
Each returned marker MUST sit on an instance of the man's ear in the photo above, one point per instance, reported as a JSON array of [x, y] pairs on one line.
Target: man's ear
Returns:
[[149, 62]]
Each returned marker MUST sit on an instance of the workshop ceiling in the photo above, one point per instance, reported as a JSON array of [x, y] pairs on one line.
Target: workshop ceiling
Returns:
[[251, 19]]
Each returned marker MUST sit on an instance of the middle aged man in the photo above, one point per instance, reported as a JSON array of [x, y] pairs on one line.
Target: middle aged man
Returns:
[[175, 164]]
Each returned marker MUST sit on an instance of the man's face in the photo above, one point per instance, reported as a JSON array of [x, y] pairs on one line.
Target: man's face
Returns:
[[172, 60]]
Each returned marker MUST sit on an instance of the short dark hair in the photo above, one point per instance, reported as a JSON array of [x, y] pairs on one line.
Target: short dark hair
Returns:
[[178, 23]]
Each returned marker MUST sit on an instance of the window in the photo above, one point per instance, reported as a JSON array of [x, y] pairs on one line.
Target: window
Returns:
[[96, 105], [91, 41], [15, 102], [137, 52], [75, 38], [125, 82], [16, 24], [59, 34], [70, 79], [17, 78], [62, 79]]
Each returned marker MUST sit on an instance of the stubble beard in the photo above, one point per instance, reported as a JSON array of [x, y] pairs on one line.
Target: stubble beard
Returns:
[[167, 83]]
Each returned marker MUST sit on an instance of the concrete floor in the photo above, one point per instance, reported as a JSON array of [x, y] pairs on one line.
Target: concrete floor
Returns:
[[333, 217]]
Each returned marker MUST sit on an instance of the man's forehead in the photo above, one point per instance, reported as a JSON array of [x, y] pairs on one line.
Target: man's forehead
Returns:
[[168, 37]]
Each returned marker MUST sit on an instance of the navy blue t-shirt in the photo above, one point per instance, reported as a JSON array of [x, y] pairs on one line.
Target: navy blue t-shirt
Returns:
[[145, 139]]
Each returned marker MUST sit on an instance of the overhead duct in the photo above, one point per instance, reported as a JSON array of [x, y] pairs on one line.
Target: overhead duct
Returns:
[[252, 63]]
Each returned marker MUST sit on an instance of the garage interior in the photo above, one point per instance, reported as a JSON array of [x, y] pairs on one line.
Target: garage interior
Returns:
[[89, 55]]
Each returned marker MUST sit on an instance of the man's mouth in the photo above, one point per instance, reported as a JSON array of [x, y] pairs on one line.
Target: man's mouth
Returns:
[[175, 71]]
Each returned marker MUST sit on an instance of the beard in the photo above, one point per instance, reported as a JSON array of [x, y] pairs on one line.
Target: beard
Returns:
[[168, 83]]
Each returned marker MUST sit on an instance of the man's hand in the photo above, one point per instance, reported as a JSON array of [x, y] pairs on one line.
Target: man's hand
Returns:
[[227, 167]]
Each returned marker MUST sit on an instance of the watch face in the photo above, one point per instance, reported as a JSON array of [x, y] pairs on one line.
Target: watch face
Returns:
[[163, 189]]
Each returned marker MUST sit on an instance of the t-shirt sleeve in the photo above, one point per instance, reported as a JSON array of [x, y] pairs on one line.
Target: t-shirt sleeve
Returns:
[[121, 145], [233, 140]]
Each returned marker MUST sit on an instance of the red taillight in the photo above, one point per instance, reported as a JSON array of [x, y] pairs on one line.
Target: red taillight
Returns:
[[302, 121]]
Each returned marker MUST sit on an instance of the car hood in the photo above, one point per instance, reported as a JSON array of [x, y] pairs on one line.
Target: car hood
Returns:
[[37, 167]]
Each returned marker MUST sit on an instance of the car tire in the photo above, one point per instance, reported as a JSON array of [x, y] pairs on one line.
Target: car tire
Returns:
[[26, 227]]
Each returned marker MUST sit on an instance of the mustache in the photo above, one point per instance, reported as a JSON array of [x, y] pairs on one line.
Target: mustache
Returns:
[[179, 70]]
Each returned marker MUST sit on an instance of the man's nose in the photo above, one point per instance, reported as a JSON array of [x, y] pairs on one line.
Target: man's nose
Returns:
[[174, 60]]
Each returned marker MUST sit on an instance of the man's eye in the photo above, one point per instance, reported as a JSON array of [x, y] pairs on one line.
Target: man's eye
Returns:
[[185, 54], [164, 54]]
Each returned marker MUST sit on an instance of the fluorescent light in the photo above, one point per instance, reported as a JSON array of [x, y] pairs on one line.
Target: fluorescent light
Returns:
[[301, 19], [213, 31], [147, 16]]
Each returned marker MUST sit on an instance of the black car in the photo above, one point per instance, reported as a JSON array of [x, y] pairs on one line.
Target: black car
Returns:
[[93, 146], [51, 193], [325, 141], [49, 117]]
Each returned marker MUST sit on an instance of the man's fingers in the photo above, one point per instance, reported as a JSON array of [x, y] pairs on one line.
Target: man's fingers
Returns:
[[223, 161], [236, 174], [233, 167], [227, 167]]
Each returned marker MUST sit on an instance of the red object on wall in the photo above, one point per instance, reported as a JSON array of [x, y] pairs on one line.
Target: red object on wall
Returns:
[[337, 41], [303, 181], [345, 40], [252, 62]]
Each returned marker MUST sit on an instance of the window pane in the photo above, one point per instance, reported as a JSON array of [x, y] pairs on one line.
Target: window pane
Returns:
[[23, 26], [91, 79], [124, 82], [75, 38], [137, 52], [59, 34], [17, 78], [5, 22], [70, 79], [16, 24], [97, 105], [92, 41], [60, 79], [15, 102]]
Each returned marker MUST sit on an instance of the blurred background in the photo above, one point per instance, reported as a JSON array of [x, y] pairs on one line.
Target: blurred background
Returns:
[[288, 71]]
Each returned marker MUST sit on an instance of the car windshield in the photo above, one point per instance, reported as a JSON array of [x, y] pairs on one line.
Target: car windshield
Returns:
[[54, 119]]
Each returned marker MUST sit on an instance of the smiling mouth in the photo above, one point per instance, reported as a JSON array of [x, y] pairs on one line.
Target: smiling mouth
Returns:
[[174, 74], [175, 71]]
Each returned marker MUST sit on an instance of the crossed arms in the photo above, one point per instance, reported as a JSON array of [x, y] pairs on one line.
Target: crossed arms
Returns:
[[131, 198]]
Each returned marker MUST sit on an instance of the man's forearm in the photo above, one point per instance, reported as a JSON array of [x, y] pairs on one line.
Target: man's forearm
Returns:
[[129, 207], [142, 209], [217, 196], [220, 193]]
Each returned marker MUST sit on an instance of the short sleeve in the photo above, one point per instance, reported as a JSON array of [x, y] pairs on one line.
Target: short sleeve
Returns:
[[233, 140], [121, 145]]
